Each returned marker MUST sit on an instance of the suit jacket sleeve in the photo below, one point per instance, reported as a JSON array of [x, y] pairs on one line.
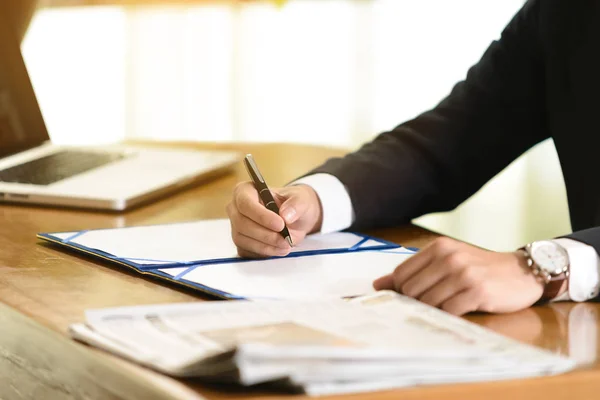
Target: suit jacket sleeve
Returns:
[[590, 237], [437, 160]]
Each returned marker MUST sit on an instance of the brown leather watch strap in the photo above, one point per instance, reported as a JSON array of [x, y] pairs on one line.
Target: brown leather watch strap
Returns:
[[553, 287]]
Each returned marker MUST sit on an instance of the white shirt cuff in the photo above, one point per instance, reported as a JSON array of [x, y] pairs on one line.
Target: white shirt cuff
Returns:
[[338, 213], [584, 278]]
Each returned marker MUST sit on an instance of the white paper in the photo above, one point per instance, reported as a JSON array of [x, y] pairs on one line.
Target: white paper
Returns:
[[190, 241], [395, 327], [317, 276]]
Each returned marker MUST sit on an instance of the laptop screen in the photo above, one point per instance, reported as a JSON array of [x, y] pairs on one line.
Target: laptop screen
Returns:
[[21, 123]]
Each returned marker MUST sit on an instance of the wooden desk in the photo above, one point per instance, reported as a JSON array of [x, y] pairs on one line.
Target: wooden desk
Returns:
[[43, 290]]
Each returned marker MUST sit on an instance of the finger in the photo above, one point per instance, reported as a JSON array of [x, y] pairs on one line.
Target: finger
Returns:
[[248, 204], [250, 245], [294, 204], [248, 254], [279, 195], [426, 279], [408, 268], [446, 288], [437, 250], [462, 303], [247, 227], [386, 282]]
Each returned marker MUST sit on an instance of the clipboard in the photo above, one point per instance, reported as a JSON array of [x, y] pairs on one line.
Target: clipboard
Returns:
[[172, 251]]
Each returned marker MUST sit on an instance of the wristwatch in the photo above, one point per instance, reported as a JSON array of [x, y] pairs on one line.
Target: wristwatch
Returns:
[[549, 262]]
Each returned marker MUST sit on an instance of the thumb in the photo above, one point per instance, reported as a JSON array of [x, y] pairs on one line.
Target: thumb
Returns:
[[295, 204], [292, 209], [386, 282]]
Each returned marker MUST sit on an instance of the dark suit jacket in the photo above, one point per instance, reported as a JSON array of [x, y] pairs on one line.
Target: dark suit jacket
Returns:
[[541, 79]]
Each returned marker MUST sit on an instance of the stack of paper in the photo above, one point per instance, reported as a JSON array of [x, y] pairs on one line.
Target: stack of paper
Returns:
[[374, 342]]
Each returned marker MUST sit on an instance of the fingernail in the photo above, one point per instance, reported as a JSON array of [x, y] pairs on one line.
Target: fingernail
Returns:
[[282, 252], [289, 214], [376, 283], [282, 244]]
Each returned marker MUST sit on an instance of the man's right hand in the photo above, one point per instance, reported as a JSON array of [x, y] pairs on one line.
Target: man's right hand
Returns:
[[255, 229]]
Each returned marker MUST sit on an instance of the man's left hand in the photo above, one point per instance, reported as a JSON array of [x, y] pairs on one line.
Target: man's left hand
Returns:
[[460, 278]]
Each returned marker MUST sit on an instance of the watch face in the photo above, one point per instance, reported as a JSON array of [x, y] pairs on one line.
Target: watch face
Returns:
[[550, 257]]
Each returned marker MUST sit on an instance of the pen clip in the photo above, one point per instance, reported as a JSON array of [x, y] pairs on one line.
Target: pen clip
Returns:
[[253, 168]]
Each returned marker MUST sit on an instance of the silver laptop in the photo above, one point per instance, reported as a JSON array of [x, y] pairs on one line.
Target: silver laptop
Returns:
[[32, 170]]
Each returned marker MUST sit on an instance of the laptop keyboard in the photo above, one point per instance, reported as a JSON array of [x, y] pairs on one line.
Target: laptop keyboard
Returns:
[[57, 166]]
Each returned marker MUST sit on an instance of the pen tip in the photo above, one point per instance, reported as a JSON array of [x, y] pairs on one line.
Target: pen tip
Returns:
[[289, 240]]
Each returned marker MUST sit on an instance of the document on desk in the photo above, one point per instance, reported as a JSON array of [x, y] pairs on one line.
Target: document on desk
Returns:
[[197, 242], [331, 346], [318, 276], [202, 255]]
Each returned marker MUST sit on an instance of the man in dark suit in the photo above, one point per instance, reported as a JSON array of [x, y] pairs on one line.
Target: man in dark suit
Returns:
[[541, 79]]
